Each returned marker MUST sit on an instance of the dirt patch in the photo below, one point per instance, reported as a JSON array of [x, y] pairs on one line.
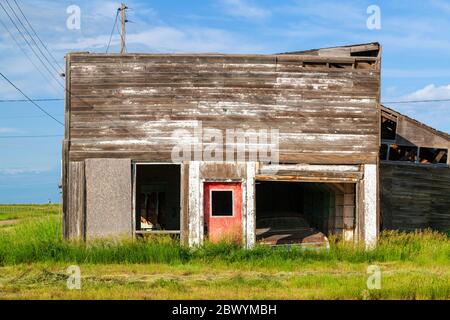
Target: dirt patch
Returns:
[[8, 222]]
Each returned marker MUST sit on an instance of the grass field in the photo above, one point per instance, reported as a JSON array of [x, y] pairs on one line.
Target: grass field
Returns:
[[34, 260]]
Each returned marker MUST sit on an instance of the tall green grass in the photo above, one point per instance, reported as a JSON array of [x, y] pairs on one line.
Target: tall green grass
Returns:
[[23, 211], [40, 240]]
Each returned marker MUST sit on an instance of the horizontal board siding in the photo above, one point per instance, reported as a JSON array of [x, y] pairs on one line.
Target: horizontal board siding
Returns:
[[415, 196], [130, 105]]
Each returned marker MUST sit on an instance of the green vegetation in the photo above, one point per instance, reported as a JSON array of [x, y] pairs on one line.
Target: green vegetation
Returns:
[[23, 211], [33, 260]]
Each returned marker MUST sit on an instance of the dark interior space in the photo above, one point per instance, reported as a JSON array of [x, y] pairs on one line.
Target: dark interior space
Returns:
[[383, 151], [432, 155], [388, 129], [296, 212], [157, 197], [402, 153], [221, 203]]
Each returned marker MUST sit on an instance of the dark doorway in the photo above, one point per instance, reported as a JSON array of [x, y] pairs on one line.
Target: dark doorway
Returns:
[[157, 197], [303, 212]]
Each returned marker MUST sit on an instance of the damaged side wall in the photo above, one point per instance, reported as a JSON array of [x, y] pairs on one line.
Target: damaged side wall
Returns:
[[415, 196]]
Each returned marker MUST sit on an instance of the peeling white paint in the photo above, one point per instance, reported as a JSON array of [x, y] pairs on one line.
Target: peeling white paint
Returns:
[[370, 205], [250, 233], [194, 204]]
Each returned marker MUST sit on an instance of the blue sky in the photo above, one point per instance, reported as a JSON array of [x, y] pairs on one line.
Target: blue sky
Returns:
[[415, 65]]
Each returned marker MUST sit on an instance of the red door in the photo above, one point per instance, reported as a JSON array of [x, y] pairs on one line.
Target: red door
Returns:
[[223, 211]]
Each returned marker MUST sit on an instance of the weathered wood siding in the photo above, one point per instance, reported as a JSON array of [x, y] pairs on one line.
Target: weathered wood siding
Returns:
[[74, 221], [410, 133], [325, 108], [415, 196]]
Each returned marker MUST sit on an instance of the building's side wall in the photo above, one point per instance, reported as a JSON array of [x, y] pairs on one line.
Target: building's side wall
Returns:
[[410, 133], [415, 196], [129, 106]]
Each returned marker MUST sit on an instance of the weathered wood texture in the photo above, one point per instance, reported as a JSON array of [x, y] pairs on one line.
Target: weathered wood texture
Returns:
[[310, 173], [74, 218], [415, 196], [325, 108], [184, 186], [223, 171], [411, 132]]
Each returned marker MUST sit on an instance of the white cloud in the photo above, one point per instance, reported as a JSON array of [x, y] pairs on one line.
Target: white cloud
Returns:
[[170, 39], [245, 9], [415, 73], [434, 114], [8, 130], [17, 171], [341, 14], [441, 5], [429, 92]]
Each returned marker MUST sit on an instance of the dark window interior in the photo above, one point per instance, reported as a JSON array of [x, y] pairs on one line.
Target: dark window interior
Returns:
[[221, 203], [341, 65], [157, 197], [402, 153], [388, 129], [371, 53], [383, 151], [431, 155]]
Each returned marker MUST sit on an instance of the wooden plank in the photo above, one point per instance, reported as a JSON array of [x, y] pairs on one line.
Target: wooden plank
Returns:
[[184, 185], [301, 178], [195, 205], [250, 204], [131, 105], [75, 216], [415, 196], [64, 187], [370, 205]]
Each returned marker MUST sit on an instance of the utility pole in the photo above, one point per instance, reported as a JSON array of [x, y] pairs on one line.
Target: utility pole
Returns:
[[123, 19]]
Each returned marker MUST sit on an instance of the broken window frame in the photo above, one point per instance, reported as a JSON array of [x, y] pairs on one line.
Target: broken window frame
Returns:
[[417, 155], [437, 151], [403, 147], [386, 154], [394, 121], [136, 231]]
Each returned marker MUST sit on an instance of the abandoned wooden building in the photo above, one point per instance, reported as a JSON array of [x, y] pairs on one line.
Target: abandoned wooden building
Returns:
[[415, 174], [166, 144]]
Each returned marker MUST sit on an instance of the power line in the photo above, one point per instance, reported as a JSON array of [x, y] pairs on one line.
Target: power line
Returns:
[[31, 37], [31, 47], [35, 33], [26, 100], [33, 136], [34, 103], [112, 31], [27, 55], [25, 117], [417, 101]]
